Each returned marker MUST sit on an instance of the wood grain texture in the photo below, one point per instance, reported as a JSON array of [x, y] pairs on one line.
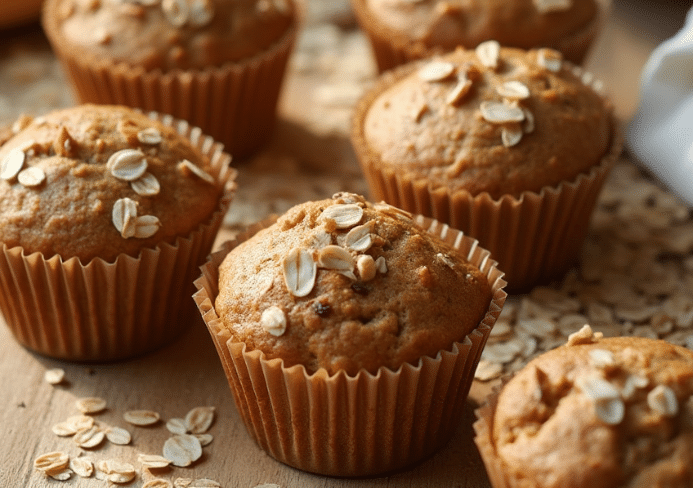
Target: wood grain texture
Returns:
[[309, 157]]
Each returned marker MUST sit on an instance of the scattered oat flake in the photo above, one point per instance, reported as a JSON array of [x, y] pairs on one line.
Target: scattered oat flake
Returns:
[[31, 177], [500, 113], [273, 320], [176, 426], [158, 483], [90, 405], [141, 417], [205, 483], [54, 376], [381, 265], [147, 185], [89, 438], [118, 436], [488, 53], [182, 450], [345, 215], [205, 439], [366, 267], [79, 422], [550, 59], [459, 91], [187, 167], [487, 371], [11, 164], [199, 419], [62, 475], [436, 71], [117, 471], [127, 164], [153, 461], [300, 271], [182, 482], [335, 257], [82, 466], [514, 90], [268, 485], [52, 461], [64, 429], [511, 136], [124, 216], [662, 399], [146, 226], [150, 135]]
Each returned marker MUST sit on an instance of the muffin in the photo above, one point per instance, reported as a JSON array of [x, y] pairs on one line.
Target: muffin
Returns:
[[349, 332], [217, 64], [597, 412], [107, 214], [405, 30], [509, 146]]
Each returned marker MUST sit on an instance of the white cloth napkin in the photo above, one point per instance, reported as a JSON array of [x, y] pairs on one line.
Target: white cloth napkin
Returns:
[[661, 132]]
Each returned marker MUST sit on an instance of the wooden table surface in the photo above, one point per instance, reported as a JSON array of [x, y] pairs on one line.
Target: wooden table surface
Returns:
[[187, 373]]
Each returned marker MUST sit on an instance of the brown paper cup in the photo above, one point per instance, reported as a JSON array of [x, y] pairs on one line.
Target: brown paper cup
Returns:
[[535, 237], [235, 103], [483, 428], [344, 425], [104, 311], [392, 48]]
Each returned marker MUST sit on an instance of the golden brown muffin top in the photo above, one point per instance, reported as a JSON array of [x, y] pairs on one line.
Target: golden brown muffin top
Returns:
[[599, 413], [343, 284], [452, 23], [171, 34], [97, 181], [496, 120]]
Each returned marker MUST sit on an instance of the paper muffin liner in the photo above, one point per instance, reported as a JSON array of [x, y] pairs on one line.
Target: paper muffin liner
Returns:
[[105, 311], [392, 48], [535, 237], [483, 438], [344, 425], [235, 103]]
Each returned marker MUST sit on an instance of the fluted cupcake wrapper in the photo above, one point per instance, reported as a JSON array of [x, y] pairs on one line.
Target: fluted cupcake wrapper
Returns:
[[344, 425], [235, 103], [483, 429], [104, 311], [392, 49]]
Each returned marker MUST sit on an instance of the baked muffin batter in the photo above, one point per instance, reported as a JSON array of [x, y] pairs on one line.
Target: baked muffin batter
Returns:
[[345, 285]]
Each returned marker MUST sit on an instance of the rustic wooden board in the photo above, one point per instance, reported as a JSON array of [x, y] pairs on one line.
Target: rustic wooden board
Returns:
[[309, 157]]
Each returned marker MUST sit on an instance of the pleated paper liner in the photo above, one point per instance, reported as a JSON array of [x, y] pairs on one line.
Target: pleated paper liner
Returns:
[[105, 311], [391, 48], [535, 237], [483, 429], [235, 103], [344, 425]]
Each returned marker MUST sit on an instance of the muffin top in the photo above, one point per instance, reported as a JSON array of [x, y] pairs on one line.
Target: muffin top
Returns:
[[97, 181], [170, 34], [452, 23], [496, 120], [598, 412], [344, 285]]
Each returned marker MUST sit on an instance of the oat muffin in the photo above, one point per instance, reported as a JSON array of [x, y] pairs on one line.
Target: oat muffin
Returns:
[[106, 215], [404, 30], [454, 135], [215, 63], [353, 314], [597, 412], [342, 305], [81, 165]]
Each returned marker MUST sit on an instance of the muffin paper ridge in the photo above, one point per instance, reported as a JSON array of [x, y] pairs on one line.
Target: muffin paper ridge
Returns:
[[104, 311], [345, 425]]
